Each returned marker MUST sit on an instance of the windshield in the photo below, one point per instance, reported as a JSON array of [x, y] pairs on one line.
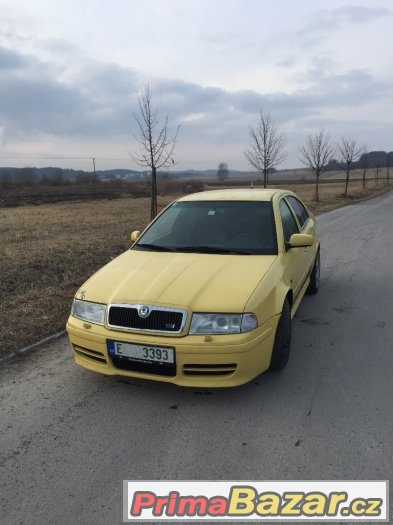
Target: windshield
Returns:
[[234, 227]]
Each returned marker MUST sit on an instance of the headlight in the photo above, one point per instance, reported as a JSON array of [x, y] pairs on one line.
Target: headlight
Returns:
[[222, 323], [92, 312]]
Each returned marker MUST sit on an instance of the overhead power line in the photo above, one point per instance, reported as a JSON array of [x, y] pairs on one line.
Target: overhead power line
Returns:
[[60, 158]]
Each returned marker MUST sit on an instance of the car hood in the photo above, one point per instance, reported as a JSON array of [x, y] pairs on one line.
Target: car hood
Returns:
[[198, 282]]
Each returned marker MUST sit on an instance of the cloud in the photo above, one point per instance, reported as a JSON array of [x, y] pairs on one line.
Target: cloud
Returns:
[[327, 21], [58, 93], [97, 100], [354, 14], [10, 59], [34, 98]]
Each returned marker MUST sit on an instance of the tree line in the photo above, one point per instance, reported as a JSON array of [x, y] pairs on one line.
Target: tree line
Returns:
[[374, 159], [28, 176], [266, 150]]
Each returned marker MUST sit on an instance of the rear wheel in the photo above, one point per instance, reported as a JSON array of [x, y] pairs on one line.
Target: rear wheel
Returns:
[[315, 276], [282, 342]]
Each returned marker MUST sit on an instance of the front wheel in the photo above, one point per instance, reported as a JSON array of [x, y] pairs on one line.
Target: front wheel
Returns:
[[315, 276], [282, 342]]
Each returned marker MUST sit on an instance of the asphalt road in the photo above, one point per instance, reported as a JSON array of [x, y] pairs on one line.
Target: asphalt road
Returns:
[[69, 437]]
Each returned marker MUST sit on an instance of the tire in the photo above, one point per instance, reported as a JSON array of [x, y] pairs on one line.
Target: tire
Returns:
[[315, 276], [282, 341]]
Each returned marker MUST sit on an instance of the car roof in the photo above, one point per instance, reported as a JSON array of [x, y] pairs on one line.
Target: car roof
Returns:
[[235, 194]]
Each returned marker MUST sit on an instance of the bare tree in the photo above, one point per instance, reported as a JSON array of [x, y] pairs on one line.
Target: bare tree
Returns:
[[156, 147], [316, 154], [349, 152], [222, 171], [265, 146], [376, 171], [363, 161]]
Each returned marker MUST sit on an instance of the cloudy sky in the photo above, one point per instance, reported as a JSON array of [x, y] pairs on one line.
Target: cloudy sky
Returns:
[[71, 70]]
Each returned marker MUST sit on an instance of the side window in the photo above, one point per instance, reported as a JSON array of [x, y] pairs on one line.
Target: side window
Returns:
[[288, 221], [299, 209]]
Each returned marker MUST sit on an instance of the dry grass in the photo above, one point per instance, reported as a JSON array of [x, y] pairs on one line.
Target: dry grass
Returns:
[[331, 195], [49, 250]]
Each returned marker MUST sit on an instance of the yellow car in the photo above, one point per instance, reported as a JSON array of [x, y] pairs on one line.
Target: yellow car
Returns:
[[205, 295]]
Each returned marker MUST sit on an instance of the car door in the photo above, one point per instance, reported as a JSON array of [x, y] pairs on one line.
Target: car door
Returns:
[[307, 225], [295, 258]]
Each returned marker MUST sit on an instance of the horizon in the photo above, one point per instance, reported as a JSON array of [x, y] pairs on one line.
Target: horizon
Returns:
[[174, 171]]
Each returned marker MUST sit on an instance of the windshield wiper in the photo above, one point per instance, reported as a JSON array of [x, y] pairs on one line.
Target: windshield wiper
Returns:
[[154, 247], [210, 249], [191, 249]]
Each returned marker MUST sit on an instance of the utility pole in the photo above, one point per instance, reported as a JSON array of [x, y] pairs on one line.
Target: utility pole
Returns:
[[388, 169], [94, 168]]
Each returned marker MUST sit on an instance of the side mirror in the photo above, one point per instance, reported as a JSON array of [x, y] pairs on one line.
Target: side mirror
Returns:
[[300, 240], [134, 235]]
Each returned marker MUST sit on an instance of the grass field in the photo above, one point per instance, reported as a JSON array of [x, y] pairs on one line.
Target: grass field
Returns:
[[49, 250]]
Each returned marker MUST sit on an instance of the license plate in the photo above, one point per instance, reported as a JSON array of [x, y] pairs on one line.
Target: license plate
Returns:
[[142, 353]]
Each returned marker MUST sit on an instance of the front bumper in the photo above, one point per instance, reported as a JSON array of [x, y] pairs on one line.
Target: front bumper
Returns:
[[224, 361]]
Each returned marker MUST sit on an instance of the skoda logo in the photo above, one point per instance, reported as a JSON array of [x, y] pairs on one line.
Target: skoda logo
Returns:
[[143, 311]]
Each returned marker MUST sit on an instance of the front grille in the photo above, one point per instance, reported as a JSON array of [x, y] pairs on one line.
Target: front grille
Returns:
[[158, 320], [209, 370]]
